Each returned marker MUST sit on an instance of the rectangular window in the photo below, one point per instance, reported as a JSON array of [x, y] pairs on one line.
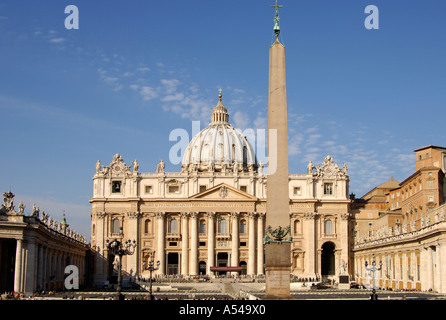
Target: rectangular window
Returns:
[[202, 228], [116, 186], [297, 191], [148, 189], [243, 188], [328, 188], [174, 189], [202, 188], [202, 244]]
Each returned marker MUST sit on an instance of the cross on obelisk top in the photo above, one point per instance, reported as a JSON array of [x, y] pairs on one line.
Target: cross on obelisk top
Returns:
[[276, 19]]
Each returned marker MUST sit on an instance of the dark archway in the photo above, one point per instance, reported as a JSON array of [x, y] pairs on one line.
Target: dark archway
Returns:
[[328, 259], [7, 264], [244, 265], [202, 268]]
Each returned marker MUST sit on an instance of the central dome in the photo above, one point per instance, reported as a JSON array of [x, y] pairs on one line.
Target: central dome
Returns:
[[219, 147]]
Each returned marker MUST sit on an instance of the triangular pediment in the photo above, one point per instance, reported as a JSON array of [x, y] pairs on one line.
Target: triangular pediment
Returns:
[[223, 192]]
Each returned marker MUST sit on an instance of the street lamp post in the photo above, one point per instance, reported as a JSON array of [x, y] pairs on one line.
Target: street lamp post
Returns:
[[119, 249], [151, 268], [373, 268]]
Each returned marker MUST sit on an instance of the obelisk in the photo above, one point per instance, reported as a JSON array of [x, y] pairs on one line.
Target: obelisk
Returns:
[[277, 239]]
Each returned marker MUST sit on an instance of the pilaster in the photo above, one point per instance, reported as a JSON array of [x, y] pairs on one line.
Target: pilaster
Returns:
[[194, 244], [160, 254], [211, 242], [185, 243]]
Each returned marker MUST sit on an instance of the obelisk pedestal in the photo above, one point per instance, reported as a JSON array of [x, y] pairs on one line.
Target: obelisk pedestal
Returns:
[[277, 268]]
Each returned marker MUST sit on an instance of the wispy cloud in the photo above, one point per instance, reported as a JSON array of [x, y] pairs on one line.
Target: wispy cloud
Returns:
[[57, 40]]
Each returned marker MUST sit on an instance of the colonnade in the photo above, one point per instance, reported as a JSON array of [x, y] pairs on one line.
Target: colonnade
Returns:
[[217, 240], [419, 267], [39, 266]]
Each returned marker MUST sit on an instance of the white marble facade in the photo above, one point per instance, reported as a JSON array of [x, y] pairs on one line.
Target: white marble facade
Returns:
[[212, 212]]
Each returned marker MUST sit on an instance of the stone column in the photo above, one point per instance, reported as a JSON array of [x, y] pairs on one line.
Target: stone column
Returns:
[[45, 268], [160, 254], [100, 274], [194, 244], [185, 243], [18, 266], [260, 252], [211, 242], [310, 248], [30, 273], [132, 233], [40, 269], [438, 268], [442, 267], [344, 257], [429, 269], [404, 262], [235, 240], [251, 244]]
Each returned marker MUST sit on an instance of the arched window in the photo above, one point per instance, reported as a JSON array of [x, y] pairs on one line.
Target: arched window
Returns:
[[148, 226], [116, 226], [173, 226], [243, 226], [202, 226], [297, 226], [222, 224], [328, 227]]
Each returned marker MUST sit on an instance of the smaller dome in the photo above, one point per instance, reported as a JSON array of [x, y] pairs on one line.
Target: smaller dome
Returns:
[[219, 147]]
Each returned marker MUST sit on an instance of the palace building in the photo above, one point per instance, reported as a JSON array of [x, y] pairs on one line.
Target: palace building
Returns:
[[402, 227], [212, 213]]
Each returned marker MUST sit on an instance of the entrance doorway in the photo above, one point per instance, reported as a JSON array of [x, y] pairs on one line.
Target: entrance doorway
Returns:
[[172, 263], [244, 265], [222, 261], [328, 259], [202, 268]]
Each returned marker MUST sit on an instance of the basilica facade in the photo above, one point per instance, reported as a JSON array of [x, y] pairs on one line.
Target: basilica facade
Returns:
[[210, 216]]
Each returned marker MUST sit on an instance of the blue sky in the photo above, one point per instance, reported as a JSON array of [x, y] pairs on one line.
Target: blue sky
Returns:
[[136, 70]]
